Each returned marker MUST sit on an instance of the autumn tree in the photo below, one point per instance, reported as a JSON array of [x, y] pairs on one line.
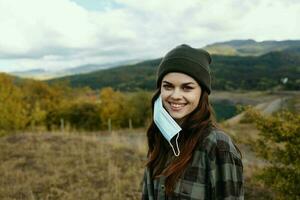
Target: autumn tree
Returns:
[[41, 98], [112, 104], [12, 112]]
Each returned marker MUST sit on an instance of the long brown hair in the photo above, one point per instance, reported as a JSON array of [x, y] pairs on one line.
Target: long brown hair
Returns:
[[194, 129]]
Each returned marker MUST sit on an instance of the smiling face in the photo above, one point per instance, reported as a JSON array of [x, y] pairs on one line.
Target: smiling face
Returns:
[[180, 94]]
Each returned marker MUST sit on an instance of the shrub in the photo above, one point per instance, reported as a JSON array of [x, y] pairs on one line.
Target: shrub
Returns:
[[279, 143]]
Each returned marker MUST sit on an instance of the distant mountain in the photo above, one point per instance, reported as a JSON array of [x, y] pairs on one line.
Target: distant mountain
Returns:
[[250, 47], [29, 73], [50, 74], [228, 73], [95, 67]]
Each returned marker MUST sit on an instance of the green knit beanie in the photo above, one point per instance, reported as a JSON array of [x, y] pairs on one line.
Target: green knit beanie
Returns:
[[187, 60]]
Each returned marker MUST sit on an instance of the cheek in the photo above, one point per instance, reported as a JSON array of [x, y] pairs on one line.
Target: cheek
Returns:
[[164, 96], [164, 93], [195, 99], [195, 103]]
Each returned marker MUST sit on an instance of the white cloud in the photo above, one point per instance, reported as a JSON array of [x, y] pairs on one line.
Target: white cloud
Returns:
[[272, 20], [61, 33], [34, 25]]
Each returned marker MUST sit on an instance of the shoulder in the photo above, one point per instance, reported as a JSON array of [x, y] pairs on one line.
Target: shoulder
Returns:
[[219, 142]]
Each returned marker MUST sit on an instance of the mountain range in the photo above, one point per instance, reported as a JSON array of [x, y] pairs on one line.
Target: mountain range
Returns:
[[237, 64], [43, 74], [251, 47]]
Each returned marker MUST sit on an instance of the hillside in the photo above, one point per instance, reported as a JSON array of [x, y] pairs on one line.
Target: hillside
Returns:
[[250, 47], [126, 78], [228, 73]]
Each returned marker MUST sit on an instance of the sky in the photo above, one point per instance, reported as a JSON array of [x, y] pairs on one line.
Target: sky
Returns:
[[57, 34]]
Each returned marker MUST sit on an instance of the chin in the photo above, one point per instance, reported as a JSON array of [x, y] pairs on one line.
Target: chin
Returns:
[[177, 116]]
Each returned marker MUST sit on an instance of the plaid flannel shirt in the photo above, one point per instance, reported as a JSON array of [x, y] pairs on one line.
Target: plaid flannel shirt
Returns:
[[215, 172]]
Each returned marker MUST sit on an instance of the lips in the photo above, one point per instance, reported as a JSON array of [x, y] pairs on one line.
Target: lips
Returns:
[[176, 106]]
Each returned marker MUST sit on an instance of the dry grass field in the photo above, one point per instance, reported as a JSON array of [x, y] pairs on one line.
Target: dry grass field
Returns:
[[70, 166], [85, 166]]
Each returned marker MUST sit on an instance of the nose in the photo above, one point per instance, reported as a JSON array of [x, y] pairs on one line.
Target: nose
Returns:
[[176, 94]]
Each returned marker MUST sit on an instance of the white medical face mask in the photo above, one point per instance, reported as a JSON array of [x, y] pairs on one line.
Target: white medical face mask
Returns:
[[166, 124]]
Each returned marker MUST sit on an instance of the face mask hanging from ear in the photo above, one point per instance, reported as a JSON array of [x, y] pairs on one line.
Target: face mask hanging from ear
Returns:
[[166, 124]]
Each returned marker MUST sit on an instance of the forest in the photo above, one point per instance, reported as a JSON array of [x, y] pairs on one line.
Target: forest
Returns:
[[29, 104]]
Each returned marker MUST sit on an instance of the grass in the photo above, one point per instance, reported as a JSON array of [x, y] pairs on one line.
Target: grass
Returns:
[[88, 166], [70, 166], [65, 166]]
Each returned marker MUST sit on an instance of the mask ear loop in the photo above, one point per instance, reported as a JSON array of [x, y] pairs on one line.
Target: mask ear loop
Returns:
[[176, 141]]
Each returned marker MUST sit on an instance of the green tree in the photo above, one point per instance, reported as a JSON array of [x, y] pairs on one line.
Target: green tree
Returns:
[[138, 108], [84, 116], [279, 143]]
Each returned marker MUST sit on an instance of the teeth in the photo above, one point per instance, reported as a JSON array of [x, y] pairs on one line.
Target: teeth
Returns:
[[177, 105]]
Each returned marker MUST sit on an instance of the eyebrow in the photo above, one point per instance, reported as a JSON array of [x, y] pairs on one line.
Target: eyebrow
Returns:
[[181, 84]]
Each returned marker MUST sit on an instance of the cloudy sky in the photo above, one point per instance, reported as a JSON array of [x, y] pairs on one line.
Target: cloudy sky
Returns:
[[56, 34]]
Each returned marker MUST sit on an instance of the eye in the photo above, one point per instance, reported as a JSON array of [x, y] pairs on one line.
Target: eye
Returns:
[[167, 87], [187, 88]]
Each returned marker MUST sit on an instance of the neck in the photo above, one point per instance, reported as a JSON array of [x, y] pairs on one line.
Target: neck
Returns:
[[179, 121]]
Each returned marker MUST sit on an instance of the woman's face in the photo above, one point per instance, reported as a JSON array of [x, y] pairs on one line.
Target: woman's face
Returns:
[[180, 94]]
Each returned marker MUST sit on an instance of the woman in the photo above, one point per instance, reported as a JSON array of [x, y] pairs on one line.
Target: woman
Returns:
[[188, 156]]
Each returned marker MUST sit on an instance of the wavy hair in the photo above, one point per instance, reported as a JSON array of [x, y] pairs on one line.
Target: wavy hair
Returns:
[[195, 128]]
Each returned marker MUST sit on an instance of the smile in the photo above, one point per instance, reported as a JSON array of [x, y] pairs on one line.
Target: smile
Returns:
[[176, 106]]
